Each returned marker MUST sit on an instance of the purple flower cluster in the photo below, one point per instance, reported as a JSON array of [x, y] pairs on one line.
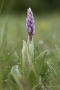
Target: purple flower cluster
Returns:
[[30, 23]]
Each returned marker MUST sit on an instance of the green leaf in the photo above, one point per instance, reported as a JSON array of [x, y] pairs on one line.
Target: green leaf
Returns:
[[17, 76], [30, 45], [36, 69], [39, 62], [32, 79], [26, 62]]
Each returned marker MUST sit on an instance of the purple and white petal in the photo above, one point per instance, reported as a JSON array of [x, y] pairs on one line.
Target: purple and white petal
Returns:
[[30, 23]]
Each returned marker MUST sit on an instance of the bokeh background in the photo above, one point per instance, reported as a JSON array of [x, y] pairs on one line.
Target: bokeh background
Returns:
[[13, 15], [38, 6]]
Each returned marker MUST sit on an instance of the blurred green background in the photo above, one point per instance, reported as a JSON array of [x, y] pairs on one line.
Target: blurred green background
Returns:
[[13, 15], [38, 6]]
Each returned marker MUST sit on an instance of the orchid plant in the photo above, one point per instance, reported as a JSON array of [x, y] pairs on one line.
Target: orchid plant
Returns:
[[28, 74]]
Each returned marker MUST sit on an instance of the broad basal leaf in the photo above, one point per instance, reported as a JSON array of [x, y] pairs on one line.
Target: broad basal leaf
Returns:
[[17, 76], [39, 62], [25, 60]]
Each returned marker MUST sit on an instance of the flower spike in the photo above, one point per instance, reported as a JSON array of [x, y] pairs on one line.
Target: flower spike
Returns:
[[30, 23]]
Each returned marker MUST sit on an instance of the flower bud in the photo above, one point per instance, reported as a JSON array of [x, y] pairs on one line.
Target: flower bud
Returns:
[[30, 23]]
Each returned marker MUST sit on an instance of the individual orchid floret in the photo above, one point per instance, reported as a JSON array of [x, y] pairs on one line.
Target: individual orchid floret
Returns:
[[30, 23]]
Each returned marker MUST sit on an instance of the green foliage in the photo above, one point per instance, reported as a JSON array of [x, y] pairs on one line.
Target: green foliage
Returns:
[[30, 70], [17, 76], [39, 62], [46, 37]]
